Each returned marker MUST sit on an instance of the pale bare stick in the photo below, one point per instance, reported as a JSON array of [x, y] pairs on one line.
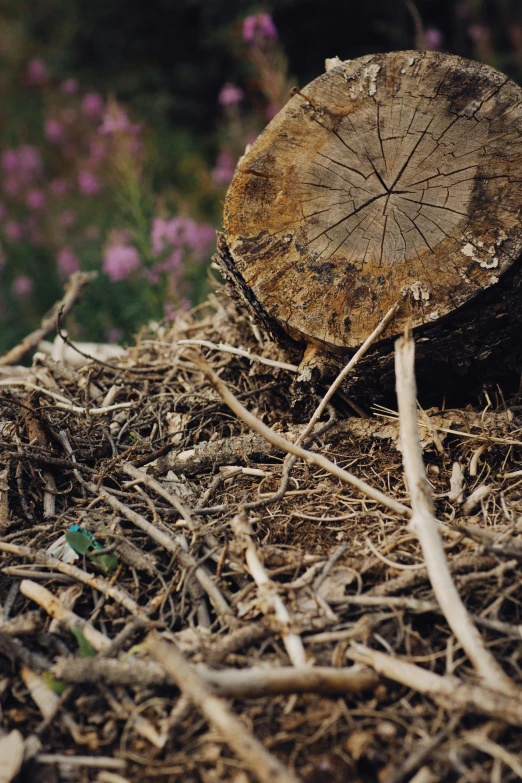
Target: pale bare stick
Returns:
[[63, 403], [451, 693], [424, 524], [379, 329], [98, 583], [55, 608], [267, 589], [285, 445], [259, 762], [230, 682], [254, 357], [73, 289]]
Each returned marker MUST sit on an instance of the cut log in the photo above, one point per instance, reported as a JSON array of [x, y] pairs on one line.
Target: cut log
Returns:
[[393, 177]]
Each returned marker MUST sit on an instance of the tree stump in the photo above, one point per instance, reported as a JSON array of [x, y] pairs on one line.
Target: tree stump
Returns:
[[390, 178]]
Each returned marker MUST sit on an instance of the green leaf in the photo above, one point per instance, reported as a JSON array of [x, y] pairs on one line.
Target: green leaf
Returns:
[[78, 541], [57, 686], [86, 648], [106, 563]]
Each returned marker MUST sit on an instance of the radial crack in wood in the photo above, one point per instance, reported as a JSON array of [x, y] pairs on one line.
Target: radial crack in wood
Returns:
[[393, 177]]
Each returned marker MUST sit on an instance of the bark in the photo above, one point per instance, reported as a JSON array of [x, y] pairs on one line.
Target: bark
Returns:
[[393, 177]]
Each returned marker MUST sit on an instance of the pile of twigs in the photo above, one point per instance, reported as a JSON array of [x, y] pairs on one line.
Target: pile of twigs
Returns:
[[291, 595]]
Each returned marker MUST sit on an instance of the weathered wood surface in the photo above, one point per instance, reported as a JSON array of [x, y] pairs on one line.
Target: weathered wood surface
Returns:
[[393, 177]]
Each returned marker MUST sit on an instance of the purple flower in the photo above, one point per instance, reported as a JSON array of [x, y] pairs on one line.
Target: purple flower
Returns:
[[230, 95], [116, 120], [93, 106], [97, 151], [35, 199], [114, 335], [54, 131], [433, 38], [59, 187], [36, 72], [22, 286], [120, 261], [67, 261], [478, 32], [11, 186], [88, 183], [258, 27], [70, 86], [26, 162], [13, 231], [172, 311], [67, 218], [224, 169], [10, 161]]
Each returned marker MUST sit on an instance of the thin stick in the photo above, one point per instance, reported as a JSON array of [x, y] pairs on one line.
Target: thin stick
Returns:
[[261, 763], [234, 683], [97, 762], [73, 289], [448, 691], [169, 543], [424, 524], [379, 329], [97, 582], [285, 445], [56, 609], [63, 403], [267, 590], [240, 352]]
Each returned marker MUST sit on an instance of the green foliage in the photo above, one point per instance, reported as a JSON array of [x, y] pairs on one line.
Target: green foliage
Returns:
[[85, 647]]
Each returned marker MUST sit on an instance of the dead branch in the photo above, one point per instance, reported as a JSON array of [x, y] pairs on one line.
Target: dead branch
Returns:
[[73, 289], [260, 762], [451, 693], [425, 526], [233, 683], [285, 445]]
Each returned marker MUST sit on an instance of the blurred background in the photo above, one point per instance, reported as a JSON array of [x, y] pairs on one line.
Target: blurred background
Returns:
[[121, 122]]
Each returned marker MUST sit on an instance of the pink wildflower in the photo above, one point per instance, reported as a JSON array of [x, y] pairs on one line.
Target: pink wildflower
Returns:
[[230, 95], [88, 183], [116, 120], [54, 131], [70, 86], [36, 73], [67, 261], [258, 27], [10, 160], [35, 199], [224, 169], [114, 335], [120, 261], [22, 286], [93, 106], [96, 151], [13, 231], [29, 162], [11, 186], [478, 32], [67, 218], [433, 38], [59, 187]]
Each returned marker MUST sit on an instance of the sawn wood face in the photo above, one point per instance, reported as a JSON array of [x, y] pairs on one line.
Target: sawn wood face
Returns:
[[393, 177]]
